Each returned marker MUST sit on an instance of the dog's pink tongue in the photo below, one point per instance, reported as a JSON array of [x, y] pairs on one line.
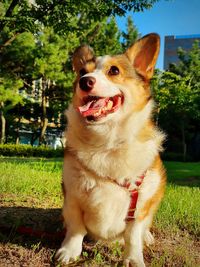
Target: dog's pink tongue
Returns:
[[92, 107]]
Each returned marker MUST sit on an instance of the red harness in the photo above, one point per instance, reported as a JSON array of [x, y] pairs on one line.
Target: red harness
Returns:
[[134, 197]]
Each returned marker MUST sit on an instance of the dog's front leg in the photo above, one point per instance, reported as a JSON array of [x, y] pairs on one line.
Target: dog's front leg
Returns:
[[134, 238], [72, 244]]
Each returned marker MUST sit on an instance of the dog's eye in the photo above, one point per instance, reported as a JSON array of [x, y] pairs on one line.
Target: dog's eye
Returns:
[[82, 72], [113, 70]]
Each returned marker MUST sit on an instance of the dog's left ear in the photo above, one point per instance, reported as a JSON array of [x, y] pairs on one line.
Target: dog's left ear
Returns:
[[82, 55], [143, 55]]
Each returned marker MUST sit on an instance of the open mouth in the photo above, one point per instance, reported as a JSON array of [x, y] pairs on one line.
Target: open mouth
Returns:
[[95, 107]]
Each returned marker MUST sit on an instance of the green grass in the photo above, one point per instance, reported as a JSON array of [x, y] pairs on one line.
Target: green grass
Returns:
[[180, 207], [38, 179], [36, 183]]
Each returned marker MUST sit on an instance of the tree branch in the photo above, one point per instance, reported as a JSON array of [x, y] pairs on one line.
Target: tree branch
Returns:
[[9, 41], [13, 4]]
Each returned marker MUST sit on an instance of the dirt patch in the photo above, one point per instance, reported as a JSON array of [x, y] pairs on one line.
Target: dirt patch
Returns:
[[174, 249], [30, 237], [15, 255], [166, 252]]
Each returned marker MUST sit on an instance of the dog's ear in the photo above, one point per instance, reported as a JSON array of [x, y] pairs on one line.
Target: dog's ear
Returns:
[[82, 55], [143, 54]]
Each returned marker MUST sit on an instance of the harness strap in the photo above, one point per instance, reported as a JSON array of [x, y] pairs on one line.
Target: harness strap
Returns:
[[134, 197]]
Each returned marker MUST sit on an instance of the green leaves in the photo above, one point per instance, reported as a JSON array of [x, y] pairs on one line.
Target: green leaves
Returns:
[[37, 40], [177, 93], [9, 90], [64, 16], [131, 34], [179, 88]]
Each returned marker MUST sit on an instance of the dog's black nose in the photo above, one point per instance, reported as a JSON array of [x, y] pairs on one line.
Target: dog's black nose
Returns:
[[87, 83]]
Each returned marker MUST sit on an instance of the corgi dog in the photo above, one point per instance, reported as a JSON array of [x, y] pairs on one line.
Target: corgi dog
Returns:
[[113, 177]]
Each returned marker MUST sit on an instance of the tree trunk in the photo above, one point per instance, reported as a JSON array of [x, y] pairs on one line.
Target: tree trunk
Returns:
[[44, 119], [2, 124], [17, 132], [17, 140], [184, 145], [43, 131]]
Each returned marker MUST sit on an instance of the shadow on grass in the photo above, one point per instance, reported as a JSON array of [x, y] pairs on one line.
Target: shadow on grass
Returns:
[[33, 235], [47, 233], [24, 225], [183, 173], [192, 181]]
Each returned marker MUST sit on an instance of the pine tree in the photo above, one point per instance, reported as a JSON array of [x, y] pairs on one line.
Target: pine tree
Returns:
[[131, 34]]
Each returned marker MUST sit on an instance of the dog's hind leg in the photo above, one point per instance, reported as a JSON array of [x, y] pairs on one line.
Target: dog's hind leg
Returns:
[[72, 244]]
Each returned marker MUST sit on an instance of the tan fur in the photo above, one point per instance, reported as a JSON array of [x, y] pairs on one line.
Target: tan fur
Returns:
[[82, 55], [103, 154], [152, 204]]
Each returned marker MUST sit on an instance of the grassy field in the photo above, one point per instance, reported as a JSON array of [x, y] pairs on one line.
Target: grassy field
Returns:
[[30, 198]]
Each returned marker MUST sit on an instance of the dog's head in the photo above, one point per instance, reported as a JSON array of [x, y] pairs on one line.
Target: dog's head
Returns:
[[110, 87]]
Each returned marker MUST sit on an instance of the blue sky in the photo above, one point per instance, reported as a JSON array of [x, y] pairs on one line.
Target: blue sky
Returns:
[[167, 17]]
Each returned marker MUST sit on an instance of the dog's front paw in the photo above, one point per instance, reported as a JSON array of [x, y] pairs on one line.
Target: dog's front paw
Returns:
[[148, 238], [133, 263], [64, 255]]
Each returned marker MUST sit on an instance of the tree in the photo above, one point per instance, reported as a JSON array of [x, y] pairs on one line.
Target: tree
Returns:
[[104, 37], [16, 65], [177, 92], [51, 56], [131, 34], [178, 103], [37, 39], [189, 65], [65, 16], [9, 96], [189, 68], [45, 60]]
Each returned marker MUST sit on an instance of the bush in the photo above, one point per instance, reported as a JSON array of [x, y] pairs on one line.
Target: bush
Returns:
[[11, 150]]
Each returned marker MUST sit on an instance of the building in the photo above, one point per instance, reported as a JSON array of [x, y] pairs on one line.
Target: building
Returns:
[[172, 43]]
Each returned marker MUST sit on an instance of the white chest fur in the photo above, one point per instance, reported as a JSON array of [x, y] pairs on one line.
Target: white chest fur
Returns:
[[111, 150]]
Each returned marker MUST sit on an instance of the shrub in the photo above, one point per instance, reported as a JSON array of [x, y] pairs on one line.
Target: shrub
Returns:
[[11, 150]]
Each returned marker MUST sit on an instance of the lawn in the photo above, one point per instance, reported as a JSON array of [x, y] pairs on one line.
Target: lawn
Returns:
[[31, 227]]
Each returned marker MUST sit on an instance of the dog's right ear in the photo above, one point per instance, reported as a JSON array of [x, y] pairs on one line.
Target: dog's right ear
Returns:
[[82, 55]]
